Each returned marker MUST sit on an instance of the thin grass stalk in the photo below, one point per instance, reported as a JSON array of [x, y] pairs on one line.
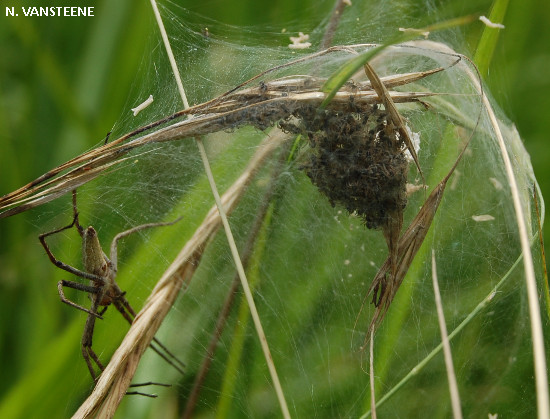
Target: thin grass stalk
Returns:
[[261, 220], [335, 17], [540, 220], [539, 356], [543, 403], [371, 377], [483, 56], [249, 297], [451, 376], [418, 367], [229, 234], [116, 377]]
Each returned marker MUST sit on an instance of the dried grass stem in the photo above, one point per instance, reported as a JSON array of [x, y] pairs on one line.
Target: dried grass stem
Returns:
[[115, 379]]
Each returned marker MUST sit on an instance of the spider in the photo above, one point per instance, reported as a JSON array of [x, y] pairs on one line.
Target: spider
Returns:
[[103, 288]]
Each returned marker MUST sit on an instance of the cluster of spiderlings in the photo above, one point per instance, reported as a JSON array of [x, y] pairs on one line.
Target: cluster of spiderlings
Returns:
[[357, 159]]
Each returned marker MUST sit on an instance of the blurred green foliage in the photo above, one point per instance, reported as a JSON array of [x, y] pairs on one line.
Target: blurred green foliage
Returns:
[[64, 83]]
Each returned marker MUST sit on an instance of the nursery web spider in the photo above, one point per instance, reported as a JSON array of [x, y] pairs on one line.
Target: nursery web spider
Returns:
[[103, 288]]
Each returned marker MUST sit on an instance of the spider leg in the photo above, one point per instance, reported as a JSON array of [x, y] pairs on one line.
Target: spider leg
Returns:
[[80, 287], [149, 383], [75, 216], [139, 393], [86, 343], [42, 237], [124, 307], [86, 275], [119, 236], [87, 353], [168, 356]]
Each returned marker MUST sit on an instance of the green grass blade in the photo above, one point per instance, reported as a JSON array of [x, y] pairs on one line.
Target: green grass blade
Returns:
[[489, 37], [345, 72]]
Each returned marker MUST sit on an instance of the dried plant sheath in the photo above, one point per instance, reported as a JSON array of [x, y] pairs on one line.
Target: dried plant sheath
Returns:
[[392, 227], [389, 104], [385, 284], [115, 379], [261, 106]]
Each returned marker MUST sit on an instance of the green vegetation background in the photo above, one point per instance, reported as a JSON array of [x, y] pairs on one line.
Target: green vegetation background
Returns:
[[59, 96]]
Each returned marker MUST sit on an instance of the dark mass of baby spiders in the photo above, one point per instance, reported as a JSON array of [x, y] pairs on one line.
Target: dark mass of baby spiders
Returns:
[[357, 160]]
